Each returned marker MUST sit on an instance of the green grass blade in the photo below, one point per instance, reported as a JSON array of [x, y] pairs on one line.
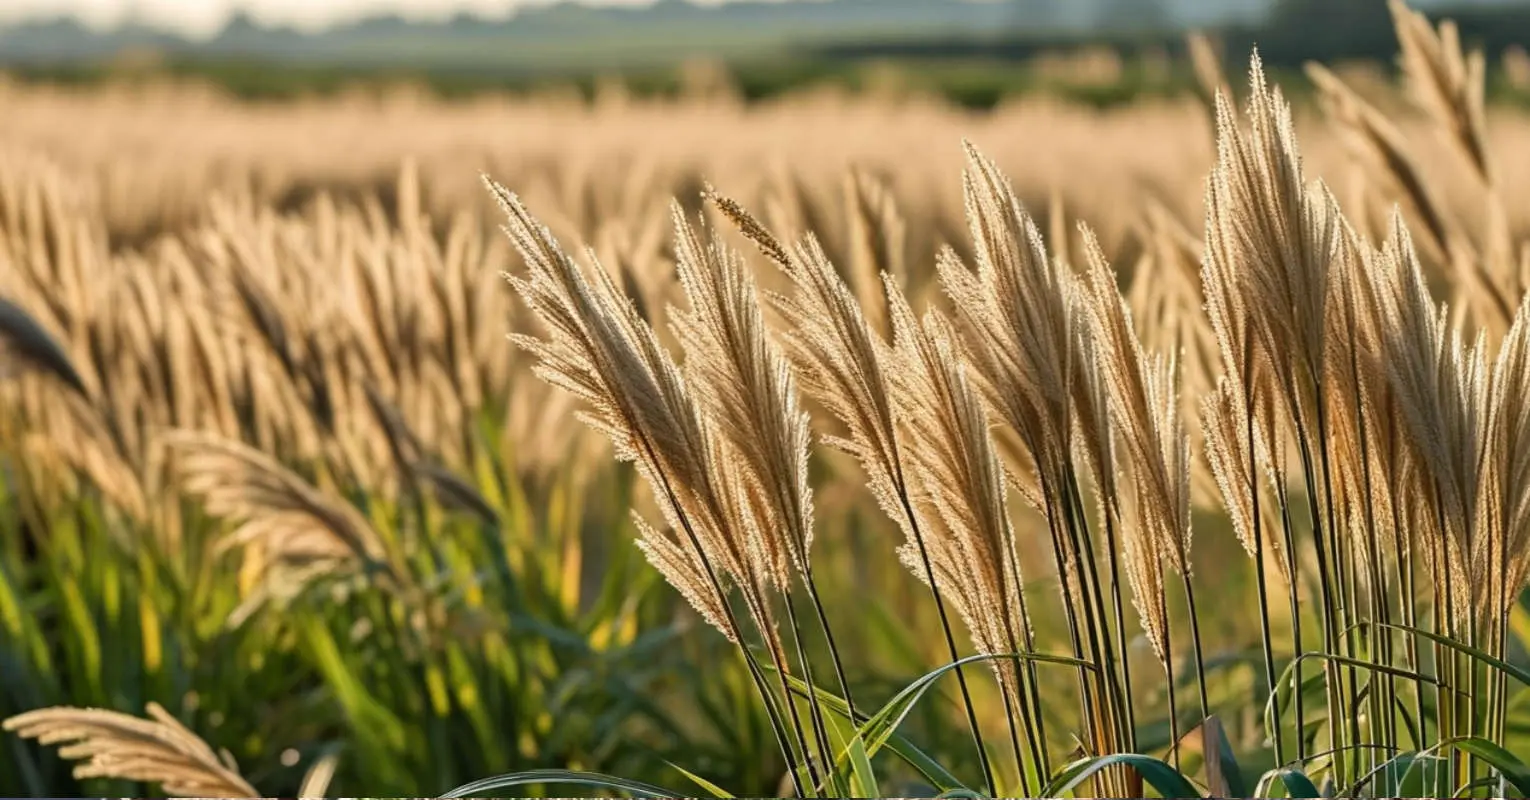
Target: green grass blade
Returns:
[[879, 728], [1397, 766], [717, 791], [1215, 740], [1508, 765], [938, 776], [863, 779], [1280, 699], [1159, 775], [1517, 673], [1297, 784]]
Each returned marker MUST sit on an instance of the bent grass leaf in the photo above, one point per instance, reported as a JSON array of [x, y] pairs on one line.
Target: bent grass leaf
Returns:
[[1508, 765], [1296, 783], [881, 726], [1159, 775], [717, 791], [938, 776], [563, 777], [1517, 673]]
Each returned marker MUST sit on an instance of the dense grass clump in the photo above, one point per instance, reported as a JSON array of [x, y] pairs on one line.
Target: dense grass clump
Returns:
[[276, 475]]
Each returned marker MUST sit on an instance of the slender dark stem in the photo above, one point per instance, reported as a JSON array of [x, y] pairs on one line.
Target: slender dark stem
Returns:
[[1259, 579], [777, 723], [1500, 706], [1168, 666], [1264, 627], [945, 626], [1381, 638], [1343, 573], [1126, 666], [1333, 684], [1470, 700], [1094, 610], [1445, 663], [1014, 739], [1257, 524], [783, 673], [1195, 643], [1070, 611], [828, 635], [1025, 678], [1035, 720], [815, 707], [1293, 594]]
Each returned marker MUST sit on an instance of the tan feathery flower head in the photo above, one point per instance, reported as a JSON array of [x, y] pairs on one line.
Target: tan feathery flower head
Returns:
[[1270, 240], [1145, 404], [836, 356], [747, 387], [599, 348], [959, 486], [158, 750], [1014, 313]]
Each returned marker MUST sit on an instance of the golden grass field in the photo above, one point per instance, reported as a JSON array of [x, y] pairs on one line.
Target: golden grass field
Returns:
[[287, 511]]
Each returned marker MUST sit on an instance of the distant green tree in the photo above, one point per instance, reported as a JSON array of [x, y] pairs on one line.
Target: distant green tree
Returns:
[[1326, 29], [1133, 15]]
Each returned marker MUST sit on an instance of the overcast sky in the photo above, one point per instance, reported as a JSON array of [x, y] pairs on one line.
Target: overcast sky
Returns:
[[204, 17]]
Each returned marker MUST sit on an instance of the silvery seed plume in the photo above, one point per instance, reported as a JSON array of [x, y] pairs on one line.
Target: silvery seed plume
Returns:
[[412, 461], [1225, 426], [959, 487], [1166, 306], [1449, 85], [1207, 64], [316, 780], [599, 349], [1097, 443], [1016, 317], [1145, 404], [1439, 385], [1479, 281], [1364, 436], [1504, 551], [83, 439], [747, 386], [158, 750], [293, 524], [840, 362], [1372, 134], [1270, 241]]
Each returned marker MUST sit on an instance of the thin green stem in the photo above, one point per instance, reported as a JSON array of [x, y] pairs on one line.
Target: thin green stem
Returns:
[[1407, 610]]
